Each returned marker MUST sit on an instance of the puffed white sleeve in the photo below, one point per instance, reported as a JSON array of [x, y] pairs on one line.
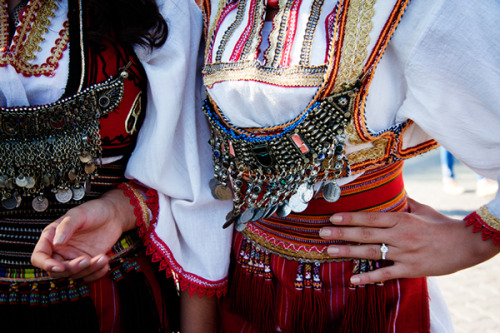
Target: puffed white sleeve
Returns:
[[173, 159], [450, 53]]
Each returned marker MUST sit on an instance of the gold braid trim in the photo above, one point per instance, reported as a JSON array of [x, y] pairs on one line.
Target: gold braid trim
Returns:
[[291, 254], [488, 218], [145, 212], [377, 152], [356, 40]]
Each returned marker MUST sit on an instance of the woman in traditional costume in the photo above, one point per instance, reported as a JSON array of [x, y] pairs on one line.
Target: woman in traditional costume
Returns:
[[313, 107], [72, 99]]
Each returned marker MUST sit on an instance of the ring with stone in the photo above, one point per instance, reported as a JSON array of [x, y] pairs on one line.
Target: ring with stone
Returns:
[[384, 249]]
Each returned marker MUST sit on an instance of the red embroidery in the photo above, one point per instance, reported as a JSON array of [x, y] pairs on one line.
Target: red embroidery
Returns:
[[478, 225]]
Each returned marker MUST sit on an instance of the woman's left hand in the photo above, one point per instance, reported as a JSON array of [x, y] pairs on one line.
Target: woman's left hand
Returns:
[[422, 242]]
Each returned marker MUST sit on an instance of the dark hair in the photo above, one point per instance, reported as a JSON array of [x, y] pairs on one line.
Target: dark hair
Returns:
[[127, 22]]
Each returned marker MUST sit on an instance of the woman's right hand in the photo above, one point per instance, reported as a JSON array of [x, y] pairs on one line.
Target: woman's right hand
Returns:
[[75, 245]]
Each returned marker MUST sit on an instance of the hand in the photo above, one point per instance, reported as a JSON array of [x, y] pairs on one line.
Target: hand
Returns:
[[75, 245], [422, 242]]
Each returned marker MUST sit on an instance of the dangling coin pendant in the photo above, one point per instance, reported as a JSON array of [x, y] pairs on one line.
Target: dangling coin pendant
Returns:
[[331, 192], [78, 192], [64, 195], [40, 203], [13, 202]]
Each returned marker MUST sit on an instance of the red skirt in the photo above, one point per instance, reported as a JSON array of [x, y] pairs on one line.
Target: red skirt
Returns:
[[283, 280]]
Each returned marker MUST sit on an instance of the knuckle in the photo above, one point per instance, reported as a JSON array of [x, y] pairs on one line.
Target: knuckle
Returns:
[[366, 234], [373, 253]]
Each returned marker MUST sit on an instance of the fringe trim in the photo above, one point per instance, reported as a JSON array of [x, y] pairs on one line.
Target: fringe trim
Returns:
[[159, 251], [479, 225]]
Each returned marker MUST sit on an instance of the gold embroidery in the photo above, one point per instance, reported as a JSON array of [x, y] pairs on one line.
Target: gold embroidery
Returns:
[[39, 28], [34, 24], [356, 40], [4, 27], [133, 115], [488, 218], [289, 253], [377, 152], [297, 76], [144, 207]]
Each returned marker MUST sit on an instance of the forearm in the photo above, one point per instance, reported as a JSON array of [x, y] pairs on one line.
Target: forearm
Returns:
[[198, 314]]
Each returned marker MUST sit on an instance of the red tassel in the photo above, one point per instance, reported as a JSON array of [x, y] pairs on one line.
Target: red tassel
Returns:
[[375, 308], [365, 305], [252, 288]]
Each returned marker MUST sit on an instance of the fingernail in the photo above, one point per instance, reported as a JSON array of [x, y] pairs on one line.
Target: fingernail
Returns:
[[56, 269], [83, 263], [101, 259], [333, 250], [325, 232], [355, 280], [336, 218], [59, 239]]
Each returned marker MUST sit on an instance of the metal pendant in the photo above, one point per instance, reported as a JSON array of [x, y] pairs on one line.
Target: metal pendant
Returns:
[[13, 202], [259, 213], [308, 193], [223, 192], [246, 216], [40, 203], [283, 210], [297, 204], [240, 226], [230, 219], [331, 192], [270, 211], [21, 181], [64, 195], [219, 191], [78, 192], [31, 182]]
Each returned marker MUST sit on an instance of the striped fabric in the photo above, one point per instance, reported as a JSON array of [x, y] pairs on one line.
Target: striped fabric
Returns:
[[308, 291]]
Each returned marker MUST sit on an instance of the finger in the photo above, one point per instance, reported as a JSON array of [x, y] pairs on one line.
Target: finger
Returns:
[[96, 265], [372, 251], [97, 275], [365, 219], [64, 230], [42, 256], [365, 235], [379, 275]]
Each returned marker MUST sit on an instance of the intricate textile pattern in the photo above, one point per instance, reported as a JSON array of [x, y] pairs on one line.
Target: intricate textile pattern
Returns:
[[486, 223], [34, 23]]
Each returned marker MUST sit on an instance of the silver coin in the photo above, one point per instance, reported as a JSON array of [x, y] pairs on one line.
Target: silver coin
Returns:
[[308, 193], [64, 195], [246, 216], [300, 207], [270, 211], [10, 203], [31, 182], [331, 192], [40, 203], [296, 203], [240, 226], [259, 213], [21, 181], [283, 210], [78, 192]]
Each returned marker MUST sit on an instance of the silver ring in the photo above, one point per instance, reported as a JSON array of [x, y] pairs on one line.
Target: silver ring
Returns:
[[384, 249]]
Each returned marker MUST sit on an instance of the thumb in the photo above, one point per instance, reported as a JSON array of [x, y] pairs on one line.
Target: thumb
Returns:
[[64, 230]]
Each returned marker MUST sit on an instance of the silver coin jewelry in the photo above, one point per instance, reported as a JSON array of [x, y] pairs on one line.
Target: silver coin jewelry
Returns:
[[54, 147]]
